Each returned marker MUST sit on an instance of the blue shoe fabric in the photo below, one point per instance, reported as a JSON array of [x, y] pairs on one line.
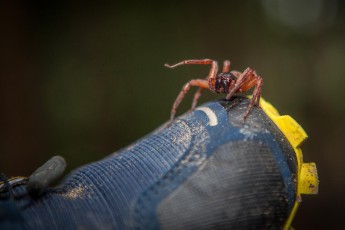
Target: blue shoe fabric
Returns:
[[207, 170]]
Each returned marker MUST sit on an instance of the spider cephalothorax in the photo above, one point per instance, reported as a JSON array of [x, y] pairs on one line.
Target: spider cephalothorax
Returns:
[[229, 82], [222, 82]]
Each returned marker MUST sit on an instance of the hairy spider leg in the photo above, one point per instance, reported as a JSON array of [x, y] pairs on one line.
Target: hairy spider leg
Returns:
[[214, 65], [196, 97], [198, 93], [247, 80], [257, 82], [226, 66], [236, 73], [212, 74], [241, 80], [201, 83], [191, 62]]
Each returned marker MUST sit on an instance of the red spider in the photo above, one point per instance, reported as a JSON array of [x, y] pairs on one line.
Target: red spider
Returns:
[[224, 82]]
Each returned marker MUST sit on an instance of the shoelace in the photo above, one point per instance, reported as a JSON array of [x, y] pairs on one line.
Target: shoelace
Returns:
[[7, 185]]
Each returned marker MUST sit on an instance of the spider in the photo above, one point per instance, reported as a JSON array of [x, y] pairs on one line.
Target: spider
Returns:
[[229, 82]]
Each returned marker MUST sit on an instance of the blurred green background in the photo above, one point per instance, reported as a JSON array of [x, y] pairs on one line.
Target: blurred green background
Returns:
[[84, 79]]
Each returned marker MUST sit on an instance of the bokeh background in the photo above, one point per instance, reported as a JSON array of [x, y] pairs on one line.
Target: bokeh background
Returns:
[[84, 79]]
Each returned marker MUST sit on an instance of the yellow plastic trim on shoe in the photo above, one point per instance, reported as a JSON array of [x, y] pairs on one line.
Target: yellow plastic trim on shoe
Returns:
[[307, 179]]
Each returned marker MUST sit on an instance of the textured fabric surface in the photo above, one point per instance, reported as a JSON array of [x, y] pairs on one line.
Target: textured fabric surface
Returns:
[[232, 190], [208, 169]]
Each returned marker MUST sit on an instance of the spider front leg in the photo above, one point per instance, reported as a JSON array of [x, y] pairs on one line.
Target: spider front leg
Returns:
[[256, 96], [213, 72], [202, 84], [245, 81], [191, 62], [241, 80], [214, 65]]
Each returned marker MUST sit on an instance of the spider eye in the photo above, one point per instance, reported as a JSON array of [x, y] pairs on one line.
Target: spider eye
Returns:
[[225, 83], [218, 83]]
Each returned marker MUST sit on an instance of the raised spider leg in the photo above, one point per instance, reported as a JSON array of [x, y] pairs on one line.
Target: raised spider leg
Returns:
[[191, 62], [213, 70], [197, 95], [226, 66], [212, 74], [195, 82]]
